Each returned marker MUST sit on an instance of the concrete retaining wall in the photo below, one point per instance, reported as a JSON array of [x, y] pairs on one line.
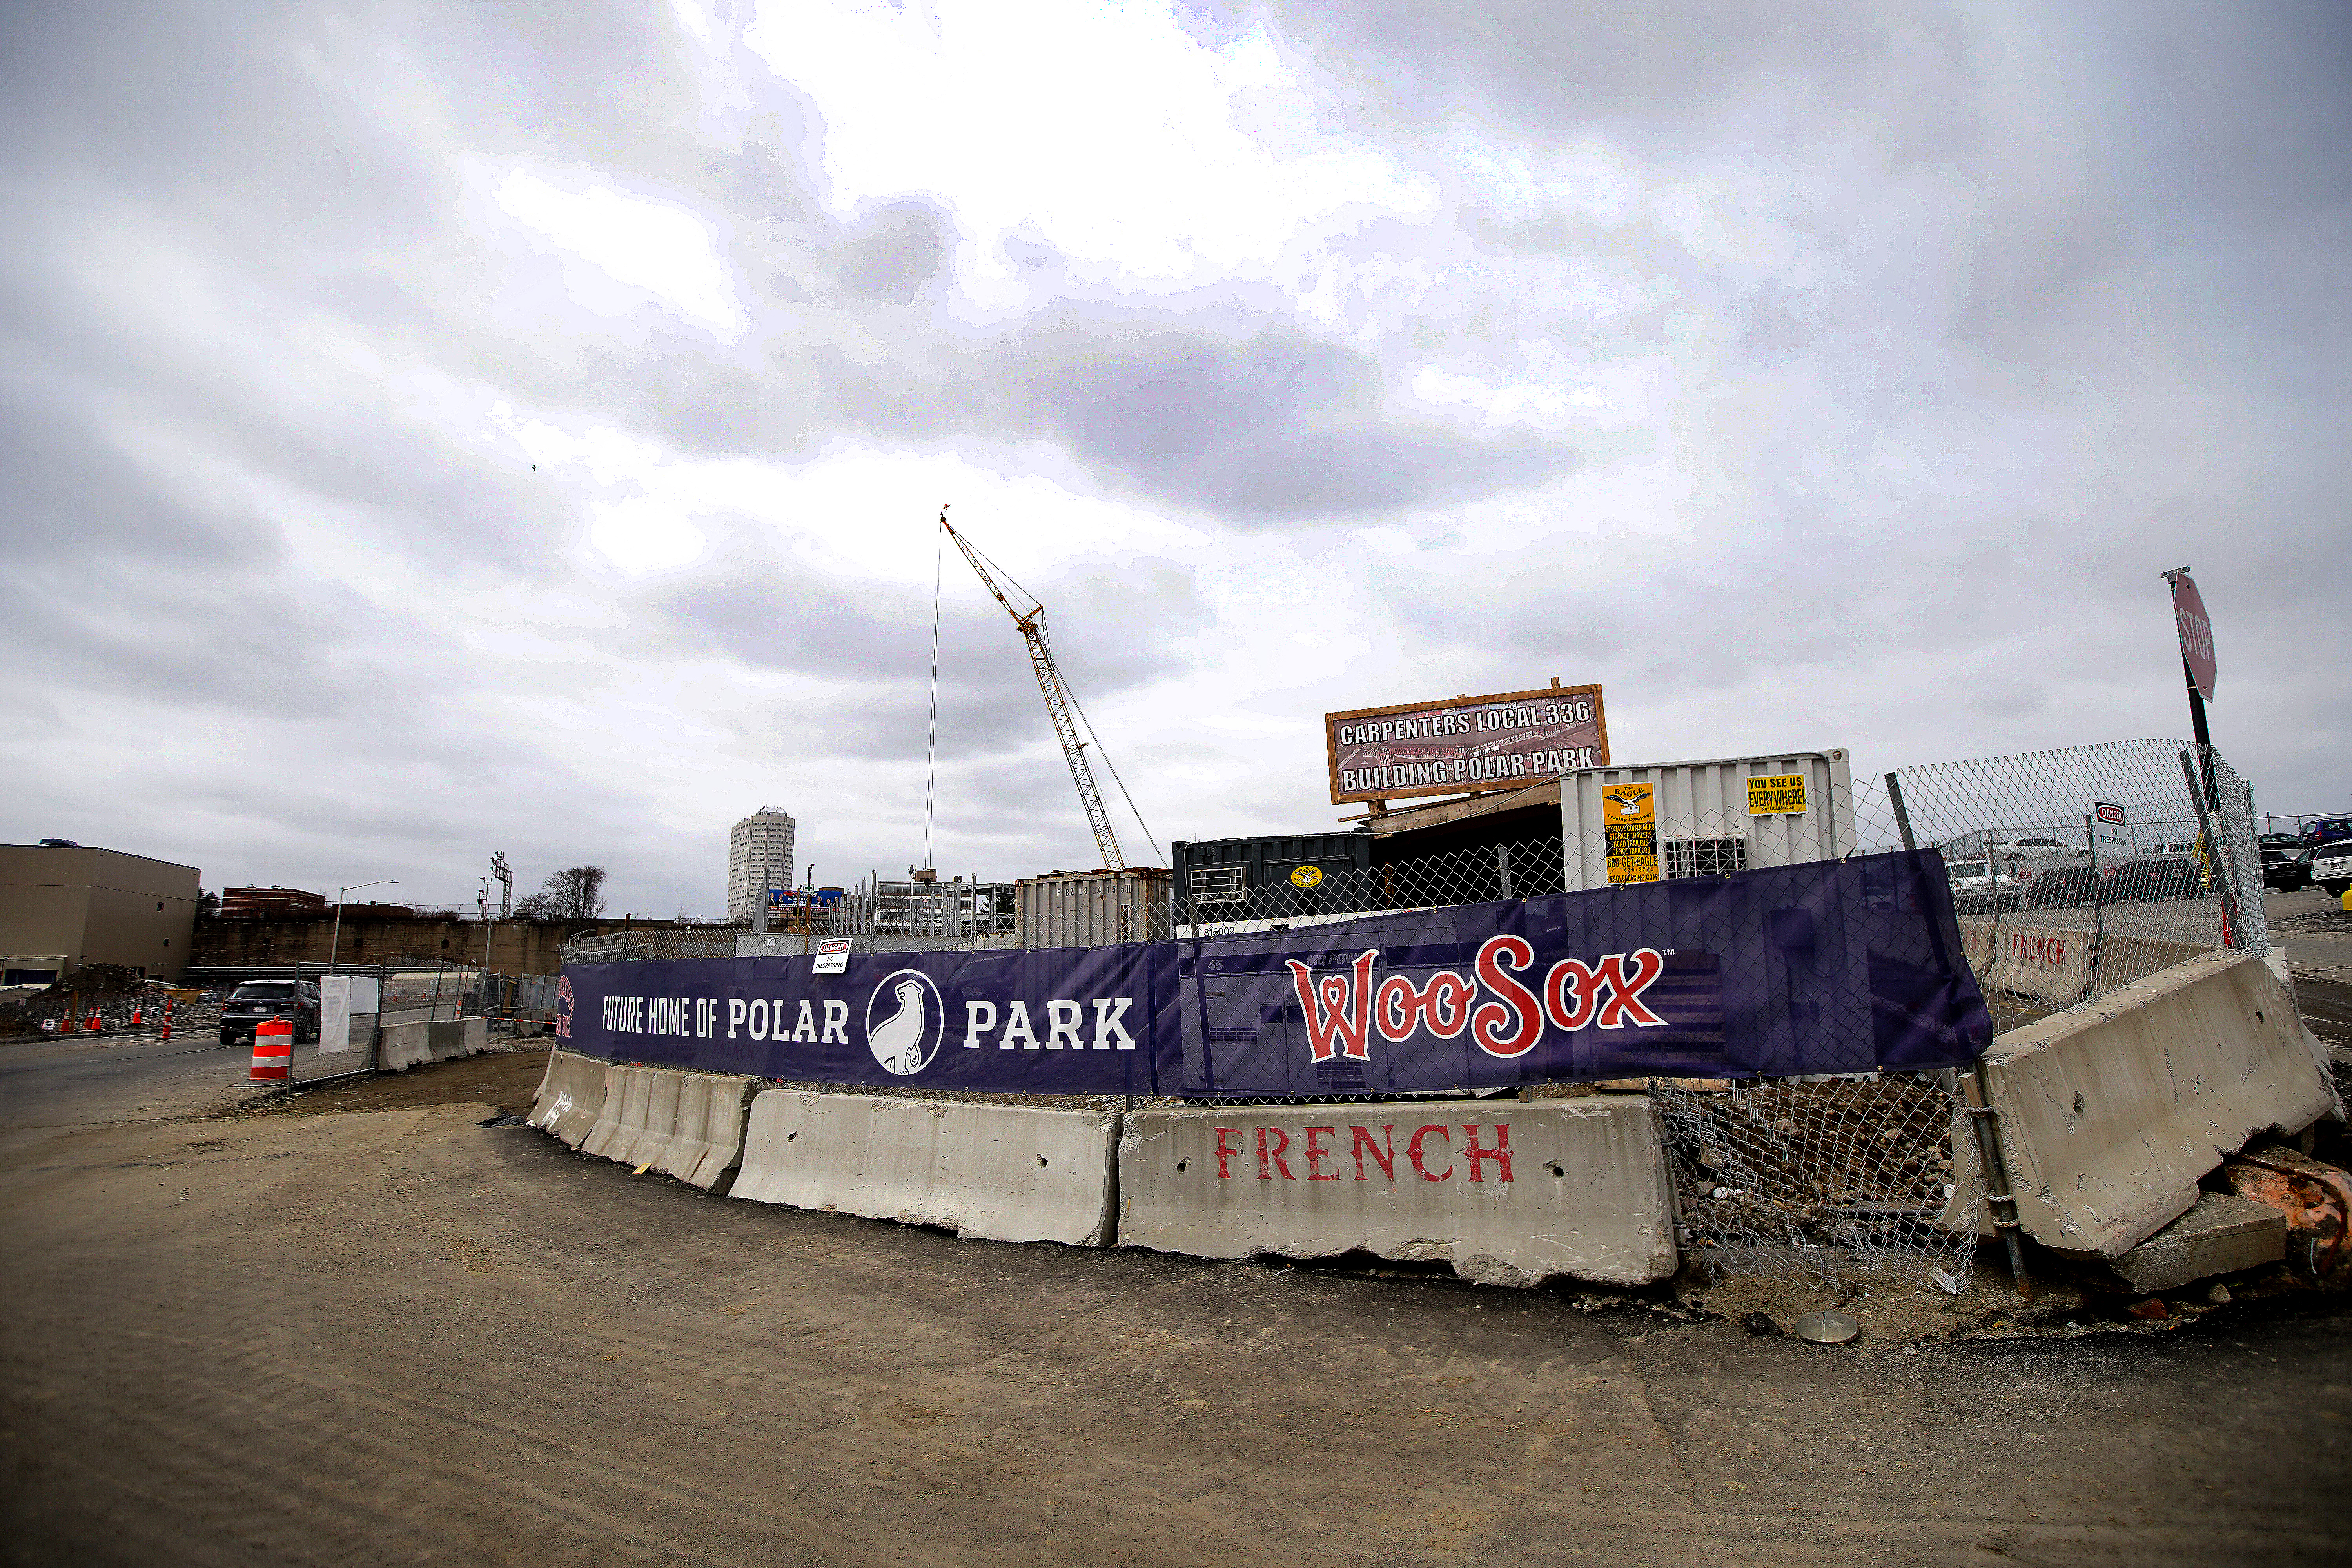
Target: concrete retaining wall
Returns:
[[684, 1124], [2110, 1115], [1509, 1192], [570, 1097], [1001, 1173]]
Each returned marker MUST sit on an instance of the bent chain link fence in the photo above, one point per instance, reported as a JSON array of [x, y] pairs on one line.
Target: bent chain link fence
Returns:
[[1837, 1182]]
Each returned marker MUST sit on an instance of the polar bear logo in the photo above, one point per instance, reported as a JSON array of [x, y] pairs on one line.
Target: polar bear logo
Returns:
[[904, 1021]]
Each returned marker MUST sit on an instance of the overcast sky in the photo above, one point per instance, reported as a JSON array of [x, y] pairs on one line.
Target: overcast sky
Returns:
[[1807, 375]]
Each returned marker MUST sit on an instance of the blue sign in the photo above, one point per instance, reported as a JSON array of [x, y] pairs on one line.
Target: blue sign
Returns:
[[1827, 967]]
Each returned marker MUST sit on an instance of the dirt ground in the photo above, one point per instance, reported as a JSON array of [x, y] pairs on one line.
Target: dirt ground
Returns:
[[394, 1335]]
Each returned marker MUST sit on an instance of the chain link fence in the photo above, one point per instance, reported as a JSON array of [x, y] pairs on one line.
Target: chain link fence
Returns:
[[1835, 1183], [2072, 872], [1215, 902], [2057, 908]]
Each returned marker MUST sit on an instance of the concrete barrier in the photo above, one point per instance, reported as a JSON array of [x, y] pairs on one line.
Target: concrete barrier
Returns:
[[571, 1096], [2061, 965], [2110, 1115], [684, 1124], [997, 1173], [405, 1045], [1509, 1192], [706, 1145], [456, 1037]]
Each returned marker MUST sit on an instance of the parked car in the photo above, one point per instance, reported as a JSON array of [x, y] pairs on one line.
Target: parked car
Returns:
[[2154, 876], [2286, 841], [1975, 891], [256, 1002], [2331, 868], [2290, 872], [2324, 830], [2065, 886], [2037, 848]]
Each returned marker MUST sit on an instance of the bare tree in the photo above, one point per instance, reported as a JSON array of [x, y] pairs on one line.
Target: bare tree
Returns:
[[575, 894]]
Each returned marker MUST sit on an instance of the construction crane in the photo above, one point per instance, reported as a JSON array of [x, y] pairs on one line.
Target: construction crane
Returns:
[[1058, 703]]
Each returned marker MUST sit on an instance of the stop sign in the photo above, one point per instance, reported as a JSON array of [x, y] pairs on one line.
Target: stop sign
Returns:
[[2196, 633]]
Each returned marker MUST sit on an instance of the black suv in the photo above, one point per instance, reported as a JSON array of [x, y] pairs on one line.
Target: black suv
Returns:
[[256, 1002]]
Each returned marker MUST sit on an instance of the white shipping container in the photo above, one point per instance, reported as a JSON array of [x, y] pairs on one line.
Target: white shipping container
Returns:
[[1092, 909], [1704, 827]]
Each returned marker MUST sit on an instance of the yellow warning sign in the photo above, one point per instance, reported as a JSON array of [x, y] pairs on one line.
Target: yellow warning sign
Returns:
[[1306, 876], [1776, 794], [1629, 816]]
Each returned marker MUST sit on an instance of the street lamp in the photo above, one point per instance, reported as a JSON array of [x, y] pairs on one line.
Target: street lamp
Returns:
[[338, 939]]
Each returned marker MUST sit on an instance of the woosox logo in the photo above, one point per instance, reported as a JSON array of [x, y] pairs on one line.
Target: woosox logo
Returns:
[[1343, 1010]]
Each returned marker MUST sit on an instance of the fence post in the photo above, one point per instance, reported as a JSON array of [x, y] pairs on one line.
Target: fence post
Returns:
[[1994, 1162], [1902, 816]]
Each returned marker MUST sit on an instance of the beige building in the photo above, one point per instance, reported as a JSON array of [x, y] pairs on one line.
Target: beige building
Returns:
[[63, 905], [759, 857]]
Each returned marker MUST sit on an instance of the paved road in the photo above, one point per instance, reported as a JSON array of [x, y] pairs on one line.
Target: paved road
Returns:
[[2315, 933], [47, 1084], [398, 1337]]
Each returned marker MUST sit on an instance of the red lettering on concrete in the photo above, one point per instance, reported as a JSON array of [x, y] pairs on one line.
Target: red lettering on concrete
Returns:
[[1273, 1158], [1500, 1153], [1412, 1151], [1384, 1154], [1316, 1154], [1224, 1153]]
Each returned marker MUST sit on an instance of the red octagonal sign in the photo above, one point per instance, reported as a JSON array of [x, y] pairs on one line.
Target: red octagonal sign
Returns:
[[2196, 633]]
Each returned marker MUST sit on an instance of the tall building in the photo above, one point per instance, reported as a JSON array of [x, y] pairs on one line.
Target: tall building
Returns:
[[759, 857]]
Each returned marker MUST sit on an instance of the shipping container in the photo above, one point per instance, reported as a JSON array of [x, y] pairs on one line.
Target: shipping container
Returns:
[[1276, 875], [1091, 908], [1711, 819]]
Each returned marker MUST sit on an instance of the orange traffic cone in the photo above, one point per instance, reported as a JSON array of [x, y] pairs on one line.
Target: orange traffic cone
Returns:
[[167, 1020], [273, 1052]]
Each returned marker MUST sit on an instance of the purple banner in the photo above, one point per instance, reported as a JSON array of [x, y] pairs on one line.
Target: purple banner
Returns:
[[1821, 968]]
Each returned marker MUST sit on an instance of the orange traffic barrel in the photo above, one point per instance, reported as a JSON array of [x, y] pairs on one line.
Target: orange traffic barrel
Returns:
[[273, 1051]]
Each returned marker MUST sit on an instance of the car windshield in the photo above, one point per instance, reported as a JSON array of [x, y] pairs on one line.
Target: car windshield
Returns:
[[2334, 851], [1968, 867], [264, 992]]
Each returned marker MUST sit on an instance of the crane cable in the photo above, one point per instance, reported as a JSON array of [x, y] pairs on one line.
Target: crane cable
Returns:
[[1036, 607]]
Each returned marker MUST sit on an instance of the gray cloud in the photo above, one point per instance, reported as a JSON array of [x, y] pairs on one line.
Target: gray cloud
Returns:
[[2050, 309]]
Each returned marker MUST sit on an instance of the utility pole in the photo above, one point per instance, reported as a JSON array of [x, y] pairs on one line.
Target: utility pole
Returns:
[[482, 981]]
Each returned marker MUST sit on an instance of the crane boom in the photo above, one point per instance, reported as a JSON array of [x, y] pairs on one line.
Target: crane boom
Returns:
[[1058, 701]]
